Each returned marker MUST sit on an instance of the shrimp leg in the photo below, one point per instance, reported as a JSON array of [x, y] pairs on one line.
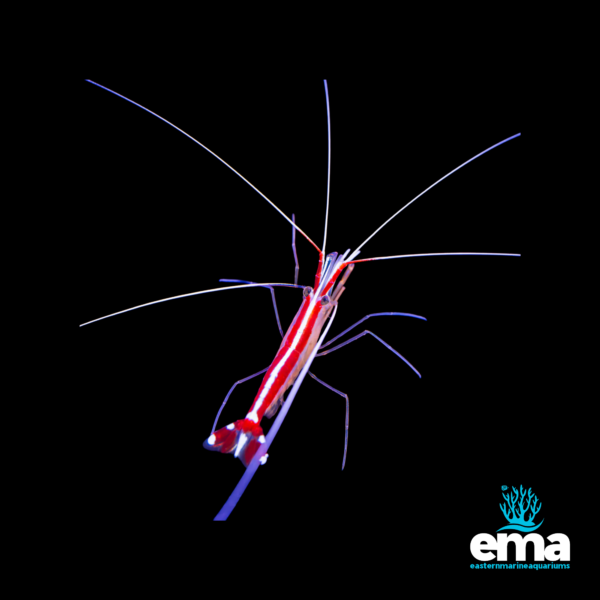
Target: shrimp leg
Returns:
[[294, 249], [229, 394], [378, 339], [364, 319], [297, 270], [347, 413], [272, 295]]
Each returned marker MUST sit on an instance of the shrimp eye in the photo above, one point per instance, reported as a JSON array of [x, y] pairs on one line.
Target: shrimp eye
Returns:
[[307, 291], [325, 300]]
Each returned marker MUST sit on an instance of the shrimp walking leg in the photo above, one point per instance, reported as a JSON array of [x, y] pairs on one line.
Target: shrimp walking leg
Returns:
[[294, 249], [272, 295], [378, 339], [347, 413], [383, 314], [229, 394]]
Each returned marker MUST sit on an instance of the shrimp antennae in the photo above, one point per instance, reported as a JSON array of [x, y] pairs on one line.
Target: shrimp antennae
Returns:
[[208, 150], [328, 162], [512, 137], [231, 287], [433, 254]]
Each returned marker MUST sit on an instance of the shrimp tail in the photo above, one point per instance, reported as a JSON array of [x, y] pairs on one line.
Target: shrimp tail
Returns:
[[241, 438]]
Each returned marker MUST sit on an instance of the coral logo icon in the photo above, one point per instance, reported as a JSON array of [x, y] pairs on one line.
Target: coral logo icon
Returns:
[[520, 509], [517, 507]]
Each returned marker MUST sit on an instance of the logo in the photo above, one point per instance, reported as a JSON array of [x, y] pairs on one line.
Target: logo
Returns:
[[520, 509], [516, 511]]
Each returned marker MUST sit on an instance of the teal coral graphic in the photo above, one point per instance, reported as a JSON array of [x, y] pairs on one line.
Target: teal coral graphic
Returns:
[[516, 510]]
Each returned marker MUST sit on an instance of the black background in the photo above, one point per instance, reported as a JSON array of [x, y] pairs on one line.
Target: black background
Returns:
[[160, 216]]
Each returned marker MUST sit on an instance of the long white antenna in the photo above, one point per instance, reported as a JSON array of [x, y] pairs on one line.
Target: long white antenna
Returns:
[[221, 289], [328, 162], [512, 137], [433, 254], [208, 150]]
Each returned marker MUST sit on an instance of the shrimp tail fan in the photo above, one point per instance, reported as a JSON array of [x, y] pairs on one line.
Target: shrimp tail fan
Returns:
[[241, 438]]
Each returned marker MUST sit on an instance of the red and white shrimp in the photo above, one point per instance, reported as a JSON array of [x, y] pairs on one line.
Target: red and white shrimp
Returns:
[[244, 437]]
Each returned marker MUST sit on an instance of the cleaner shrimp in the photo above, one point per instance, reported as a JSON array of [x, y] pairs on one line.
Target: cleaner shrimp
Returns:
[[143, 240]]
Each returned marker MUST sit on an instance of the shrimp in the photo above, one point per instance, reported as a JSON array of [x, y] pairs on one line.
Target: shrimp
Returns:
[[172, 238]]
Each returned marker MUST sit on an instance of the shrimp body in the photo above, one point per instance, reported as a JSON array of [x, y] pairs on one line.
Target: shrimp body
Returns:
[[244, 437]]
